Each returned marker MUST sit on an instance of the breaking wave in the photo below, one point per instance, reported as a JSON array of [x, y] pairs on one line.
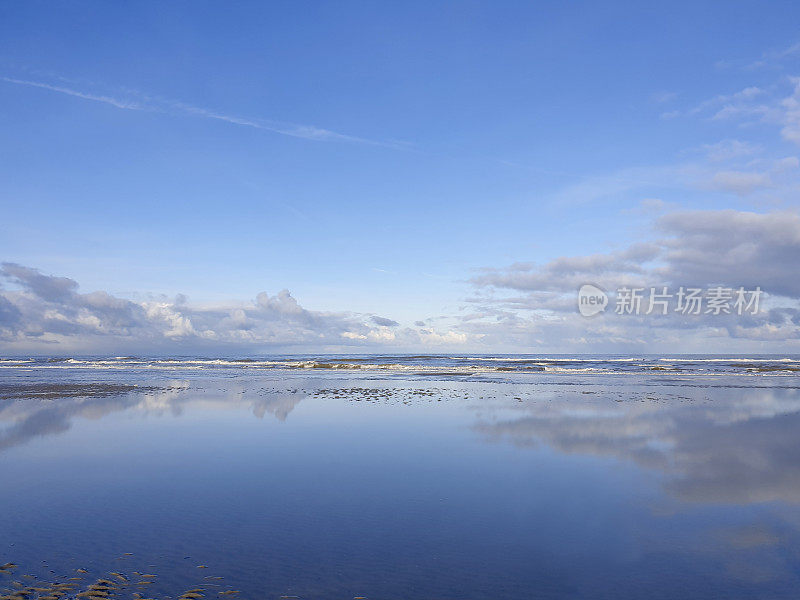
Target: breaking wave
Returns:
[[444, 365]]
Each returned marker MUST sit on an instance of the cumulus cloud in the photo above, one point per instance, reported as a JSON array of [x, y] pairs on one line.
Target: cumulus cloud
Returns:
[[535, 304], [568, 273], [48, 288], [40, 312], [722, 247], [384, 322], [732, 248]]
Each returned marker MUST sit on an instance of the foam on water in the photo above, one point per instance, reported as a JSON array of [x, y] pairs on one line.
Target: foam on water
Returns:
[[452, 365]]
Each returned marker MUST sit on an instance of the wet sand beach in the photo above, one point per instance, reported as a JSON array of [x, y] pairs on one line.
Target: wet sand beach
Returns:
[[590, 481]]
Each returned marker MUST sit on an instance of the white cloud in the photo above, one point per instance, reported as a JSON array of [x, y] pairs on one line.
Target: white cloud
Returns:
[[118, 103], [48, 314], [725, 104], [693, 247], [535, 304], [729, 149], [149, 103], [790, 117], [757, 105], [741, 183]]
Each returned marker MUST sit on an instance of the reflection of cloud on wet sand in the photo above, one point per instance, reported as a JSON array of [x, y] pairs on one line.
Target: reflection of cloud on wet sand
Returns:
[[36, 410], [742, 446], [757, 460], [726, 445], [754, 553], [278, 405]]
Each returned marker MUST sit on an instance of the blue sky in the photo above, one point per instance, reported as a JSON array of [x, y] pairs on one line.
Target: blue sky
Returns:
[[376, 158]]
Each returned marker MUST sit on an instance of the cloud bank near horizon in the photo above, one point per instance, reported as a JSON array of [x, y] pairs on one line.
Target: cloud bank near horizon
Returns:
[[47, 314], [523, 307]]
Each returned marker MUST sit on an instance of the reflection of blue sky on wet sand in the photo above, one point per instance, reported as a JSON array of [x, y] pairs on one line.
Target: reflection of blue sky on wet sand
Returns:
[[324, 486]]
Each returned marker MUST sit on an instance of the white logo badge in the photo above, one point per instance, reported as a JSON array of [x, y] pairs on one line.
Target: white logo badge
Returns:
[[591, 300]]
